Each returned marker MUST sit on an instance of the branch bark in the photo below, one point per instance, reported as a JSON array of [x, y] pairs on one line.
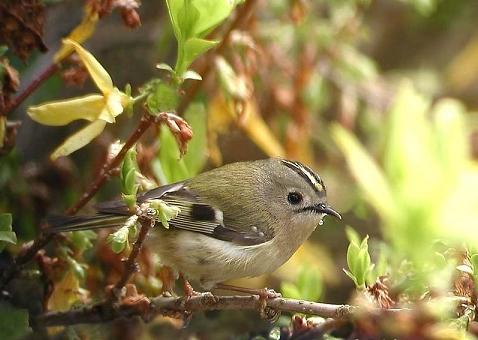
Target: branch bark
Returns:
[[161, 305]]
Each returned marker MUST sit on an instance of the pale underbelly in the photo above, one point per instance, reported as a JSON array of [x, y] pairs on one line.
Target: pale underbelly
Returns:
[[209, 261]]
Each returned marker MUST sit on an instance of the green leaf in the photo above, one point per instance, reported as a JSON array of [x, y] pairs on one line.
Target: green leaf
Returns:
[[119, 239], [163, 98], [82, 239], [168, 167], [165, 67], [191, 49], [6, 233], [352, 235], [3, 50], [164, 211], [189, 74], [195, 18], [211, 14], [77, 268], [351, 276], [310, 284], [174, 9], [195, 158], [474, 262], [290, 290], [128, 178], [3, 127], [13, 322]]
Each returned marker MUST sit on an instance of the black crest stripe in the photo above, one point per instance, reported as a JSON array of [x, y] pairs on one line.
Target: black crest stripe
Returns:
[[306, 173]]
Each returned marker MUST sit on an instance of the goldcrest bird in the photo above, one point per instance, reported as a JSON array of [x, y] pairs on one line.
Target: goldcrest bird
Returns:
[[240, 220]]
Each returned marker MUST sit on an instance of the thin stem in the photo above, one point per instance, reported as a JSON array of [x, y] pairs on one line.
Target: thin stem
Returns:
[[105, 173], [36, 82]]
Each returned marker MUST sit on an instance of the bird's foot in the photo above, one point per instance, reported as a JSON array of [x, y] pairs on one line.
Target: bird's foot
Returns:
[[167, 277], [188, 289]]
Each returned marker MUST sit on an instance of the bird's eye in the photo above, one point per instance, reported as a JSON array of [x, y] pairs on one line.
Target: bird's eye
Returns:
[[294, 197]]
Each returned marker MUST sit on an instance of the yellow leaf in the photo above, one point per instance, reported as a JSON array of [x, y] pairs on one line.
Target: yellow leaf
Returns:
[[218, 122], [79, 139], [80, 34], [463, 70], [65, 293], [259, 132], [65, 111], [97, 72], [222, 114]]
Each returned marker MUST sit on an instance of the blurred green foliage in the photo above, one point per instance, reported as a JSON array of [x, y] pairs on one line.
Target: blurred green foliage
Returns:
[[309, 285], [6, 233], [13, 322], [420, 192], [358, 260]]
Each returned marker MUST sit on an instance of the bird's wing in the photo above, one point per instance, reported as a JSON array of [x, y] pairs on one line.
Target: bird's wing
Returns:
[[195, 215]]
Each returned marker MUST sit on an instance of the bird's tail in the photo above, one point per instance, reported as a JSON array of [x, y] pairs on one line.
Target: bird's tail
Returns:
[[58, 224]]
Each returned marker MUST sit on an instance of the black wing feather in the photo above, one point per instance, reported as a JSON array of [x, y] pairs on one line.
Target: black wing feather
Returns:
[[195, 216]]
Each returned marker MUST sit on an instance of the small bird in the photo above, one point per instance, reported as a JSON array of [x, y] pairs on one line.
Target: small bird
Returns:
[[240, 220]]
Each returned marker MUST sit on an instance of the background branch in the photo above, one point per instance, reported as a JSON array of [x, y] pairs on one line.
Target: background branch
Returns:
[[35, 83]]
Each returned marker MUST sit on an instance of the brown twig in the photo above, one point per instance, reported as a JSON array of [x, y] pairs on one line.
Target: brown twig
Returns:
[[36, 82], [105, 173], [130, 265], [24, 257], [179, 305]]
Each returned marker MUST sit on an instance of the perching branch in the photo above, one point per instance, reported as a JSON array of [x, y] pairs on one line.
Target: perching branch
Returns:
[[162, 305]]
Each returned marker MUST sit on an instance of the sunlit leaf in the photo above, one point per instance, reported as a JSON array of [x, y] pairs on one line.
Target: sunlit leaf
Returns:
[[62, 112], [97, 72], [65, 293], [6, 233], [164, 66], [222, 115], [162, 98], [168, 167], [79, 139], [193, 48], [79, 34], [189, 74]]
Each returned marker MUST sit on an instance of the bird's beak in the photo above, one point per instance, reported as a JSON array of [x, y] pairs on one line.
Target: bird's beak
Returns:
[[322, 208]]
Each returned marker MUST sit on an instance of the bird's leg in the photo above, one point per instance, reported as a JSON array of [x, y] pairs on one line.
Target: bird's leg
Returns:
[[188, 289], [264, 293], [166, 276]]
